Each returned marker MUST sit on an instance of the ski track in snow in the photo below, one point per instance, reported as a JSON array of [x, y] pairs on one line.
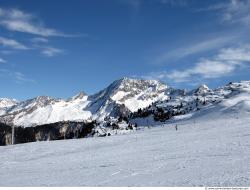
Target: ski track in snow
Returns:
[[207, 150]]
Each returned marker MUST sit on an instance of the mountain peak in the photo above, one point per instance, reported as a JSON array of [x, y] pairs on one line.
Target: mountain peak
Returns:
[[136, 80], [6, 102], [133, 83], [40, 101], [202, 89], [79, 95], [137, 93], [130, 92]]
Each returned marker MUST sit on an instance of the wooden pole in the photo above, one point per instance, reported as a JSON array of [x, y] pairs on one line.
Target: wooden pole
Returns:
[[13, 135]]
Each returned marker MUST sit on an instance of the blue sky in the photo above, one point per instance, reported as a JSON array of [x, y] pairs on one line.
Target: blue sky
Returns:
[[58, 49]]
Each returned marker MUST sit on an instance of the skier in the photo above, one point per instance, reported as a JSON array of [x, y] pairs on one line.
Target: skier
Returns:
[[176, 128]]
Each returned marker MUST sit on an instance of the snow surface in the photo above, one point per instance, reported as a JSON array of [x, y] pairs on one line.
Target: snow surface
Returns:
[[210, 148]]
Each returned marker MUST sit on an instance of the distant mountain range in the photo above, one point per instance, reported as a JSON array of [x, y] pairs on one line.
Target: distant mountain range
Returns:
[[121, 97], [123, 106]]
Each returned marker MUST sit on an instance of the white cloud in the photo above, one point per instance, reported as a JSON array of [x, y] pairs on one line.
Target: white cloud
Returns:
[[6, 42], [48, 51], [27, 27], [233, 11], [226, 62], [174, 2], [133, 3], [20, 77], [51, 51], [235, 54], [213, 68], [137, 4], [6, 52], [2, 60], [39, 40], [17, 76], [19, 21], [195, 48]]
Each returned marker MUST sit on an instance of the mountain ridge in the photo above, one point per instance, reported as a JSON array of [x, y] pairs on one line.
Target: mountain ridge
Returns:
[[45, 109], [122, 97]]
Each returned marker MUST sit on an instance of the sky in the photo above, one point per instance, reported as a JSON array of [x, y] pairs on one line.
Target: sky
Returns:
[[59, 49]]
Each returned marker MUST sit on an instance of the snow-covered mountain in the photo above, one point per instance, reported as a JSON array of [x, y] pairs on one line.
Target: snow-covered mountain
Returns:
[[121, 97], [6, 103], [182, 105], [43, 109], [127, 95], [123, 106], [201, 90]]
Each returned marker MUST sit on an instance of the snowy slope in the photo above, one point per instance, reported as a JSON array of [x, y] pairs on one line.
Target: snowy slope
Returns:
[[210, 148]]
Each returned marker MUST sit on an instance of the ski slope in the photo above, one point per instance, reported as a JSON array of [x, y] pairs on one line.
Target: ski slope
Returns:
[[211, 148]]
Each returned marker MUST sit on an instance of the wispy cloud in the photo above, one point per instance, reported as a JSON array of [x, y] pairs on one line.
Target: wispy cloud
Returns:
[[48, 51], [20, 21], [17, 76], [51, 51], [225, 63], [206, 69], [137, 4], [10, 43], [233, 11], [2, 60], [174, 2], [39, 40], [20, 78], [133, 3], [6, 52], [199, 47]]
